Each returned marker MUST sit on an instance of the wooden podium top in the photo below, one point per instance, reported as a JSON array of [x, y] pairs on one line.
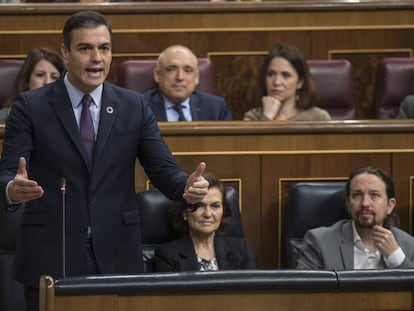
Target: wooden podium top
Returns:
[[233, 290]]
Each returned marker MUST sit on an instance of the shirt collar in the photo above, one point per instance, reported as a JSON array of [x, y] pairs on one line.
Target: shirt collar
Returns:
[[169, 105], [76, 95]]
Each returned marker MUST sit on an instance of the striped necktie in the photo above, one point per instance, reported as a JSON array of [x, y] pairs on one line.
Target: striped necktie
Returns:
[[179, 110]]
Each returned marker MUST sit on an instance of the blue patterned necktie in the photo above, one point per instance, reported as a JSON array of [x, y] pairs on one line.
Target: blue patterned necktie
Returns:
[[87, 132], [179, 110]]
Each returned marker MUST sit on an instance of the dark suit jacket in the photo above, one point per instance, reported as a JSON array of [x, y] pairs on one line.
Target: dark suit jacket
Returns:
[[42, 128], [179, 255], [204, 106], [407, 108], [332, 247]]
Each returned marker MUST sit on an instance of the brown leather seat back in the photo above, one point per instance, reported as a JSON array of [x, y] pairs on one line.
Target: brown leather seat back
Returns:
[[335, 88], [138, 75], [9, 69], [394, 81]]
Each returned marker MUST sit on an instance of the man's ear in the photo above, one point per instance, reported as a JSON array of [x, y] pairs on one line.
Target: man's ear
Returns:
[[391, 205], [65, 53], [197, 77], [156, 72]]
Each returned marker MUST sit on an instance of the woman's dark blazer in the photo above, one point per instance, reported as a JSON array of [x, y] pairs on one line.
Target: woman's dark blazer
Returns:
[[179, 255]]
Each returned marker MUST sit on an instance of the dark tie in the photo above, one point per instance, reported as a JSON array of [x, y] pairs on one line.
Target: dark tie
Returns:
[[87, 132], [179, 110]]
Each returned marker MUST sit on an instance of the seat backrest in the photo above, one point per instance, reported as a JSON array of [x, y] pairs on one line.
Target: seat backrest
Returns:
[[335, 88], [138, 75], [155, 228], [9, 70], [394, 81], [311, 205]]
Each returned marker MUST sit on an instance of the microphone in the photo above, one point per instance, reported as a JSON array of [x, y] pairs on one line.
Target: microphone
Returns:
[[63, 192]]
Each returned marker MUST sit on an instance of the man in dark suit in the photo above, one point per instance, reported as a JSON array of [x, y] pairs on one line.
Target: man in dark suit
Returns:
[[176, 99], [83, 155], [370, 239]]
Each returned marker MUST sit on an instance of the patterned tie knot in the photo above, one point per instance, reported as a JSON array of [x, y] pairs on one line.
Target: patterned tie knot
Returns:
[[179, 110]]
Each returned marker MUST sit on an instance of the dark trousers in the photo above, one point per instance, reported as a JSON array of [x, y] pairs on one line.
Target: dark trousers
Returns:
[[32, 294]]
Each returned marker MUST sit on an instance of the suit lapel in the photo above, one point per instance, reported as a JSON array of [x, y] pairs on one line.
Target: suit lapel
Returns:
[[109, 106], [158, 107], [195, 107], [188, 259], [61, 104], [224, 254], [347, 246]]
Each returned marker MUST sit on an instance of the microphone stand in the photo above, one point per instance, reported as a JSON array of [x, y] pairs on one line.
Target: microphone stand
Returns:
[[63, 192]]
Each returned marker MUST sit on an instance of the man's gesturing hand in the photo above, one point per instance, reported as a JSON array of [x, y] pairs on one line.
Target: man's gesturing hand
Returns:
[[196, 187], [22, 189]]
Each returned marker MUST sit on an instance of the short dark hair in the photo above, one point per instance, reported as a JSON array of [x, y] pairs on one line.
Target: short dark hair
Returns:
[[83, 19], [176, 216], [391, 219], [307, 94], [389, 184]]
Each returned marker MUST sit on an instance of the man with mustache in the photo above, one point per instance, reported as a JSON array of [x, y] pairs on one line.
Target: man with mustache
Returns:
[[370, 239]]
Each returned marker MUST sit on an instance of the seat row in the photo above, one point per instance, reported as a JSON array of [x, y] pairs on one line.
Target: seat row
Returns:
[[333, 79]]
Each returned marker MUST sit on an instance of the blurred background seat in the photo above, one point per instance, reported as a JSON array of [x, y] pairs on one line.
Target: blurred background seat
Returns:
[[155, 228], [334, 85], [138, 75], [9, 69], [393, 82], [311, 205]]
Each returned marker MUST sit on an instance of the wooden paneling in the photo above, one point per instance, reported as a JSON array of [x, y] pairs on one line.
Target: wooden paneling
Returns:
[[258, 300], [232, 34]]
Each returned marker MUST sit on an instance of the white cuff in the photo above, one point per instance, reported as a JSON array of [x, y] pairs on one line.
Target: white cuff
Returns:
[[9, 201], [395, 259]]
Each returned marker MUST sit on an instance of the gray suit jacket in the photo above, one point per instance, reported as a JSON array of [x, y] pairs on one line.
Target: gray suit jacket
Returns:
[[332, 247], [179, 255], [407, 108]]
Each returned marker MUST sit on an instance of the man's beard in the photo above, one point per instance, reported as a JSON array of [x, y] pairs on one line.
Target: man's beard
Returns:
[[365, 223]]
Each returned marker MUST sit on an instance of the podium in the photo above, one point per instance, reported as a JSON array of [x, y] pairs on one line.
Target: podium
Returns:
[[245, 290]]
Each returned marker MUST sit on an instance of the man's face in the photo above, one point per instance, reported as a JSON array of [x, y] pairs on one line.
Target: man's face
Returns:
[[177, 75], [367, 202], [89, 58]]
